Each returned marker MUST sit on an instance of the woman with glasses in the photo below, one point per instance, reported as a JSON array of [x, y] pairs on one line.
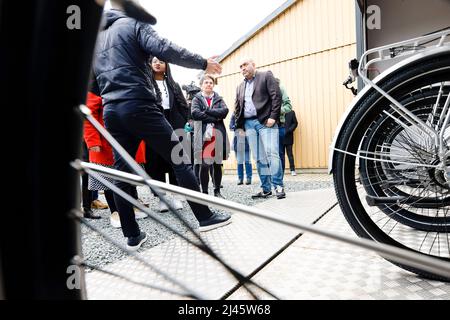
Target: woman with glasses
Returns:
[[211, 144]]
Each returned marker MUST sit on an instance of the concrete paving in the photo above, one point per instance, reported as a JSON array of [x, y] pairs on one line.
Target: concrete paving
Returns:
[[316, 268], [245, 244], [280, 259]]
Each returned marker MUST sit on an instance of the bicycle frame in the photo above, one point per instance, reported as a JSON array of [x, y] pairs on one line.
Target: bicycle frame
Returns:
[[437, 134]]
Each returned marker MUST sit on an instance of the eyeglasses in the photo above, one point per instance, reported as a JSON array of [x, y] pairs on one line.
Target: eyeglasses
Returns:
[[155, 60]]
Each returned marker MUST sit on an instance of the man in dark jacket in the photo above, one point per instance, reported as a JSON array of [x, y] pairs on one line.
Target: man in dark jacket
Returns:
[[257, 110], [290, 126], [133, 112]]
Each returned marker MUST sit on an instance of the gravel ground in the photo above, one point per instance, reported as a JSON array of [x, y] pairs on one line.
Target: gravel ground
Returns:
[[99, 252]]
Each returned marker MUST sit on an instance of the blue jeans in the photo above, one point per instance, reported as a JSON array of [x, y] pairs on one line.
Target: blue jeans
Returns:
[[264, 145], [281, 134], [243, 157]]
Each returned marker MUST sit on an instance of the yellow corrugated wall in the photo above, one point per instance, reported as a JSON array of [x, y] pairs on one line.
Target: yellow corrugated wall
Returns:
[[308, 48]]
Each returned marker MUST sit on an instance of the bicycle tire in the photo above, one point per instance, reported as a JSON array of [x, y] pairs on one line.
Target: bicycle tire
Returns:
[[406, 80]]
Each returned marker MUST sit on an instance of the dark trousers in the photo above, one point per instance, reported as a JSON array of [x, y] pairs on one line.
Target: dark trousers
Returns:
[[86, 194], [213, 171], [157, 167], [290, 155], [202, 172], [129, 123], [109, 195]]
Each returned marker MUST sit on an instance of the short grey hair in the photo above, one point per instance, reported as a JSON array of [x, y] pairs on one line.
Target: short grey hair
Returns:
[[246, 59]]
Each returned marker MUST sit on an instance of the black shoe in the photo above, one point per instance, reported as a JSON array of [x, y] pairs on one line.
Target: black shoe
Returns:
[[221, 186], [240, 183], [249, 181], [214, 222], [279, 191], [88, 214], [134, 243], [262, 194], [218, 194]]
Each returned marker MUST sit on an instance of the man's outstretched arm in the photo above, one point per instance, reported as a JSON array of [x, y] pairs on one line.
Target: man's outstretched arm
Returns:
[[168, 51]]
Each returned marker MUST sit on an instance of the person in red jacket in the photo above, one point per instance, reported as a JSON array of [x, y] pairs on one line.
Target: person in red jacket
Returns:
[[101, 153]]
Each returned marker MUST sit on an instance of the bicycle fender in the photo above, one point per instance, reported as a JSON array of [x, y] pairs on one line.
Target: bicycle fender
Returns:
[[429, 53]]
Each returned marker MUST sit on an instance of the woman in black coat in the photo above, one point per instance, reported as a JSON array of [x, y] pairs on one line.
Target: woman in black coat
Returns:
[[290, 126], [211, 144], [176, 111]]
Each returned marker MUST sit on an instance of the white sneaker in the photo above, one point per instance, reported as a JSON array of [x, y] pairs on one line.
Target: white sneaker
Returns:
[[177, 204], [214, 222], [134, 243], [115, 220], [293, 173], [143, 203], [139, 214], [163, 207]]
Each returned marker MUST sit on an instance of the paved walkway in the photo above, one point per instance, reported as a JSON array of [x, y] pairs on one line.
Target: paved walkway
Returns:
[[316, 268], [305, 267]]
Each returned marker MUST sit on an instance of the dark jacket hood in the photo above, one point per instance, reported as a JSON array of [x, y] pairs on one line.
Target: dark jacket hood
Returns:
[[121, 54], [112, 16]]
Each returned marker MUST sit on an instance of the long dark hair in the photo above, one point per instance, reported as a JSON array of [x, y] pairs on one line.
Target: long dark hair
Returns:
[[180, 101]]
